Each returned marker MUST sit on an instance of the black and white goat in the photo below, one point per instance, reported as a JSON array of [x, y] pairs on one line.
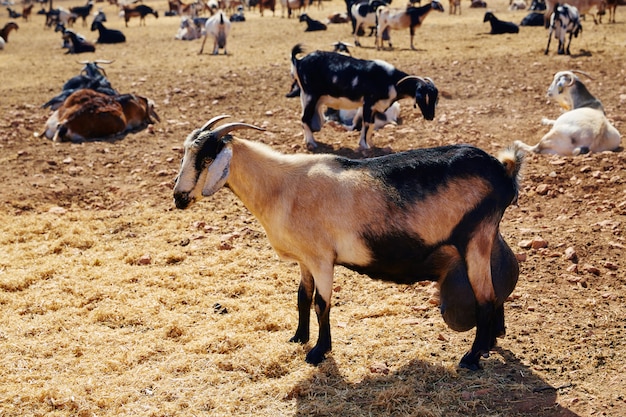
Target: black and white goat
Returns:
[[6, 29], [77, 45], [343, 82], [411, 17], [106, 35], [312, 25], [499, 27], [92, 76], [363, 15], [564, 20], [425, 214], [218, 28], [582, 128]]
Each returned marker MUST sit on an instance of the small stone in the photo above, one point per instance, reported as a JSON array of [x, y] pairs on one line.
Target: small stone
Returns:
[[379, 368], [570, 254], [538, 243], [591, 269], [145, 260], [57, 210], [542, 189]]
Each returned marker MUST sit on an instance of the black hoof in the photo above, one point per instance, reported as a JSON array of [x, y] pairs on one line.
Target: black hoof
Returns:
[[315, 357], [471, 362], [299, 339]]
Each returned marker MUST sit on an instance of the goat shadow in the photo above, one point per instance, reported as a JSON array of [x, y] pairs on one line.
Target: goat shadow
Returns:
[[505, 387], [109, 139], [582, 53]]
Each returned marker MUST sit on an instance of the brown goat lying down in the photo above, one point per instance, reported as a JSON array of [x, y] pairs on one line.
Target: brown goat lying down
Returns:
[[88, 114]]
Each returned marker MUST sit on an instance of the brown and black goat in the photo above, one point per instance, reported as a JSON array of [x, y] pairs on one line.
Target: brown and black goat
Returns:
[[420, 215], [90, 115], [140, 11]]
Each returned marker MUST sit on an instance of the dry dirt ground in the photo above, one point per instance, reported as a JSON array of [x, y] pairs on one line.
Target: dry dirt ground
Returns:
[[112, 302]]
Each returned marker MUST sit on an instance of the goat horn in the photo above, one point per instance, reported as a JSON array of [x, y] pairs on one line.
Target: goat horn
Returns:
[[225, 129], [583, 73], [410, 77], [208, 125]]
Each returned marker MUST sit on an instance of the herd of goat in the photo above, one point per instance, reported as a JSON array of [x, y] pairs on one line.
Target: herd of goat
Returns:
[[563, 20], [420, 215]]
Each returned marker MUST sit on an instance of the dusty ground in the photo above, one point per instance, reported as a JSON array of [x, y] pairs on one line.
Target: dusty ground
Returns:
[[114, 303]]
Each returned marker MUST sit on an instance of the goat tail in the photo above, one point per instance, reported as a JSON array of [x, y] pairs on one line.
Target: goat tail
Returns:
[[298, 49], [512, 159]]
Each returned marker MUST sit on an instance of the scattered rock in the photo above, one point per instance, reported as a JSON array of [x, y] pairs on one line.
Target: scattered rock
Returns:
[[145, 260], [57, 210], [591, 269], [542, 189], [538, 243], [570, 254], [379, 368]]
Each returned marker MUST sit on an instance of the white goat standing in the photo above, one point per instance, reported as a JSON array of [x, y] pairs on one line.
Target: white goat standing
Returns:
[[582, 129], [218, 27]]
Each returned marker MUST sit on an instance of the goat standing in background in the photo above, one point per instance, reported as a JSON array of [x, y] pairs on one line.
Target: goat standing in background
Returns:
[[411, 18], [218, 27], [420, 215], [343, 82], [564, 19]]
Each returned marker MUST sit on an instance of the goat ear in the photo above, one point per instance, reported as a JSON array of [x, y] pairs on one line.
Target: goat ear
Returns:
[[563, 81], [217, 172]]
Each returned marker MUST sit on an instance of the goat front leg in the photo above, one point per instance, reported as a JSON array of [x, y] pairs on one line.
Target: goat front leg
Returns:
[[368, 126], [311, 119], [478, 260], [305, 299], [485, 336], [202, 47]]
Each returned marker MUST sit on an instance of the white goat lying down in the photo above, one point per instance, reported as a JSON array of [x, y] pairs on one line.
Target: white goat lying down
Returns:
[[582, 129], [425, 214]]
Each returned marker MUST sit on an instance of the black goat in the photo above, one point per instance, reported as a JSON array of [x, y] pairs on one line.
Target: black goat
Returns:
[[92, 76], [343, 82], [107, 35], [533, 19], [13, 14], [499, 27], [83, 11], [312, 25]]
